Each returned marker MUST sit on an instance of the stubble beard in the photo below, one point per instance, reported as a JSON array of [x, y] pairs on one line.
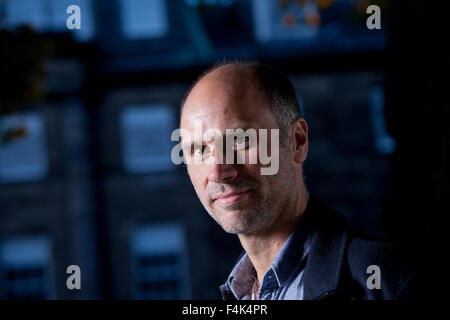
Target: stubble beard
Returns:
[[237, 220]]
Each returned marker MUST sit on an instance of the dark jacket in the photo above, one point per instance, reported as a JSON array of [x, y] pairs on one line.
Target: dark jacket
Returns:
[[337, 262]]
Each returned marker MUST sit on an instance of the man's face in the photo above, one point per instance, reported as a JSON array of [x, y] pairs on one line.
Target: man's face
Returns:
[[237, 196]]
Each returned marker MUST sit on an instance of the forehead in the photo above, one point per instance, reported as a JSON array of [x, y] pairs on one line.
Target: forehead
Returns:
[[222, 104]]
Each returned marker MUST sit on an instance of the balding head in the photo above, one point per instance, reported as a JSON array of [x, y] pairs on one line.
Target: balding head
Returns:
[[233, 73], [239, 79]]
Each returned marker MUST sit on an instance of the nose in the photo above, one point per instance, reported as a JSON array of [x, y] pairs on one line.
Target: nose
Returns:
[[221, 173]]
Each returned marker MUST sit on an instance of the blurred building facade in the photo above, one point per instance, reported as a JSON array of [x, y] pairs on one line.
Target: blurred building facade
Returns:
[[91, 183]]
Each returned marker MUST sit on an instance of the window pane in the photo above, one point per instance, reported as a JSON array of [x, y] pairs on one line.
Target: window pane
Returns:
[[159, 262], [49, 15], [25, 268], [23, 154], [146, 131], [29, 12], [144, 18]]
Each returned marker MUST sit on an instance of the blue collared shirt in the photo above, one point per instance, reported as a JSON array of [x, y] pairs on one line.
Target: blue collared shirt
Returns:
[[283, 280]]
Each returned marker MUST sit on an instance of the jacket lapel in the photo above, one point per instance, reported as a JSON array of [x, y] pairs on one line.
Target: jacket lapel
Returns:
[[326, 256]]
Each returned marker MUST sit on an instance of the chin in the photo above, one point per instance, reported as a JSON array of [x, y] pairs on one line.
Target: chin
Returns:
[[233, 229], [234, 220], [235, 224]]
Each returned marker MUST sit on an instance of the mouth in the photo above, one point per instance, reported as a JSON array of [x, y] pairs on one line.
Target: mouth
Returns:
[[232, 197]]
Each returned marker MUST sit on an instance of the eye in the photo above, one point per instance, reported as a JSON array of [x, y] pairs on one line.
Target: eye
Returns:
[[202, 151], [241, 141], [197, 152]]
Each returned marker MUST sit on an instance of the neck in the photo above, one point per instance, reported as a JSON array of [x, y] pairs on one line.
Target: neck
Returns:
[[263, 246]]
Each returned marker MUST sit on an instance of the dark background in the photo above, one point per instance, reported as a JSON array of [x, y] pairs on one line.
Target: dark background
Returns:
[[86, 117]]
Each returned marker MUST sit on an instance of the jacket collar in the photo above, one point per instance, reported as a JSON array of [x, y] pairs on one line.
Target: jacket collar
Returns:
[[326, 256]]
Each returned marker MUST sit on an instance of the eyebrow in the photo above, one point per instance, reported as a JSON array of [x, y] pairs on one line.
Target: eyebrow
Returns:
[[192, 144]]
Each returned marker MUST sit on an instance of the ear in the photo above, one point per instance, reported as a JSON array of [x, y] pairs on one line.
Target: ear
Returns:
[[299, 138]]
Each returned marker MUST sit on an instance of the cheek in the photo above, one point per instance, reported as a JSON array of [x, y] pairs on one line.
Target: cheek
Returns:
[[198, 179], [252, 155], [252, 158]]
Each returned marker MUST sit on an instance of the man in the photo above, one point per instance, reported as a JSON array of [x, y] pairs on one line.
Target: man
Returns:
[[295, 246]]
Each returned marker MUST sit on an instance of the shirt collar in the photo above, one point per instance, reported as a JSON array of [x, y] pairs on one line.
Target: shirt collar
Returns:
[[293, 252], [241, 278]]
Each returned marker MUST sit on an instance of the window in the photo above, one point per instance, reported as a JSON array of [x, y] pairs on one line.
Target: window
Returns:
[[144, 18], [48, 15], [25, 268], [30, 12], [159, 263], [274, 21], [146, 144], [23, 154], [316, 26]]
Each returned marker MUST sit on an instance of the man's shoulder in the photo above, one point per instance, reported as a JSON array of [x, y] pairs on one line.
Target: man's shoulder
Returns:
[[364, 256], [381, 267], [367, 247], [361, 246]]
